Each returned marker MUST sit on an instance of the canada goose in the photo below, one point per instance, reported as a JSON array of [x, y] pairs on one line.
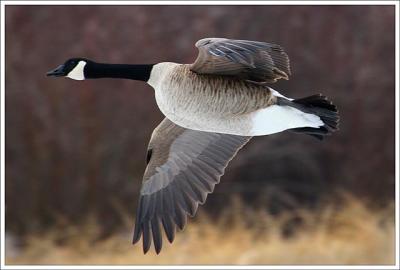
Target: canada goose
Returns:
[[212, 107]]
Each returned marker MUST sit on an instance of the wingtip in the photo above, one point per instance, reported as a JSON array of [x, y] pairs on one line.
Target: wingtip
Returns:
[[169, 229], [135, 240], [136, 234], [146, 245], [157, 249], [170, 238]]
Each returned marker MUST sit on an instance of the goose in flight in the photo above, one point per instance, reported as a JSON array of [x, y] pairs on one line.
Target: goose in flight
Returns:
[[212, 108]]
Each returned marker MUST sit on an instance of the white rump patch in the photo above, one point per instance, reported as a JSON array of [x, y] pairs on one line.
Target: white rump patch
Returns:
[[276, 118], [277, 94], [77, 72]]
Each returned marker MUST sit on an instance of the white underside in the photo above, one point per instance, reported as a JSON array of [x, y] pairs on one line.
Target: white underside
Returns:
[[278, 118]]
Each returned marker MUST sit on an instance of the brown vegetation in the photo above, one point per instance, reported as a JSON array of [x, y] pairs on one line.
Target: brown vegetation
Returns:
[[352, 234]]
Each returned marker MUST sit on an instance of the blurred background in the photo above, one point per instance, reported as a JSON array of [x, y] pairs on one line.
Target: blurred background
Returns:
[[75, 151]]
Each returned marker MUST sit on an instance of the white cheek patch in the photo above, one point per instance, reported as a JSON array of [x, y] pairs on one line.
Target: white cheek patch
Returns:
[[77, 72]]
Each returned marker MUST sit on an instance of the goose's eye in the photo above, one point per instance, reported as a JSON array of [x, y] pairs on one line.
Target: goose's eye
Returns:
[[148, 157]]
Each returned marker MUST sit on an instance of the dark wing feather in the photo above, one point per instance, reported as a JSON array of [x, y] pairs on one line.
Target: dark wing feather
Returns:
[[250, 60], [183, 169]]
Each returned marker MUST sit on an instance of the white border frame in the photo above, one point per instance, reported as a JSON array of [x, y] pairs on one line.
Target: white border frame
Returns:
[[2, 129]]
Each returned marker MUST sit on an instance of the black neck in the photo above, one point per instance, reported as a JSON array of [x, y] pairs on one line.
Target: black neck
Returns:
[[134, 72]]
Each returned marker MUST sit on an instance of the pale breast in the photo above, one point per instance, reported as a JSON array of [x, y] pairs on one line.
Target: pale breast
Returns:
[[206, 102]]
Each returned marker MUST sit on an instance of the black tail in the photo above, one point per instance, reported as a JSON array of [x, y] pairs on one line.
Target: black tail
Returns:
[[318, 105]]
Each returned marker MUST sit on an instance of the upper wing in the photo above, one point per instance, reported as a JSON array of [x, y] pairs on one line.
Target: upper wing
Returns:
[[250, 60], [183, 167]]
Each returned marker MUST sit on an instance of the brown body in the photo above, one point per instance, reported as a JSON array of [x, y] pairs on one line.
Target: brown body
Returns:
[[208, 102]]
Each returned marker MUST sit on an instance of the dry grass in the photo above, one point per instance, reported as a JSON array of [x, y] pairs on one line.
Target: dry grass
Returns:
[[351, 235]]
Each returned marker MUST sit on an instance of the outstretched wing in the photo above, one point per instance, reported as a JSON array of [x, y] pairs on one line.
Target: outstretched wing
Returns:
[[250, 60], [183, 167]]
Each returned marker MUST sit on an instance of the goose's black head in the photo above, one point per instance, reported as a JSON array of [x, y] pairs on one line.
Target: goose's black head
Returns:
[[73, 68]]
